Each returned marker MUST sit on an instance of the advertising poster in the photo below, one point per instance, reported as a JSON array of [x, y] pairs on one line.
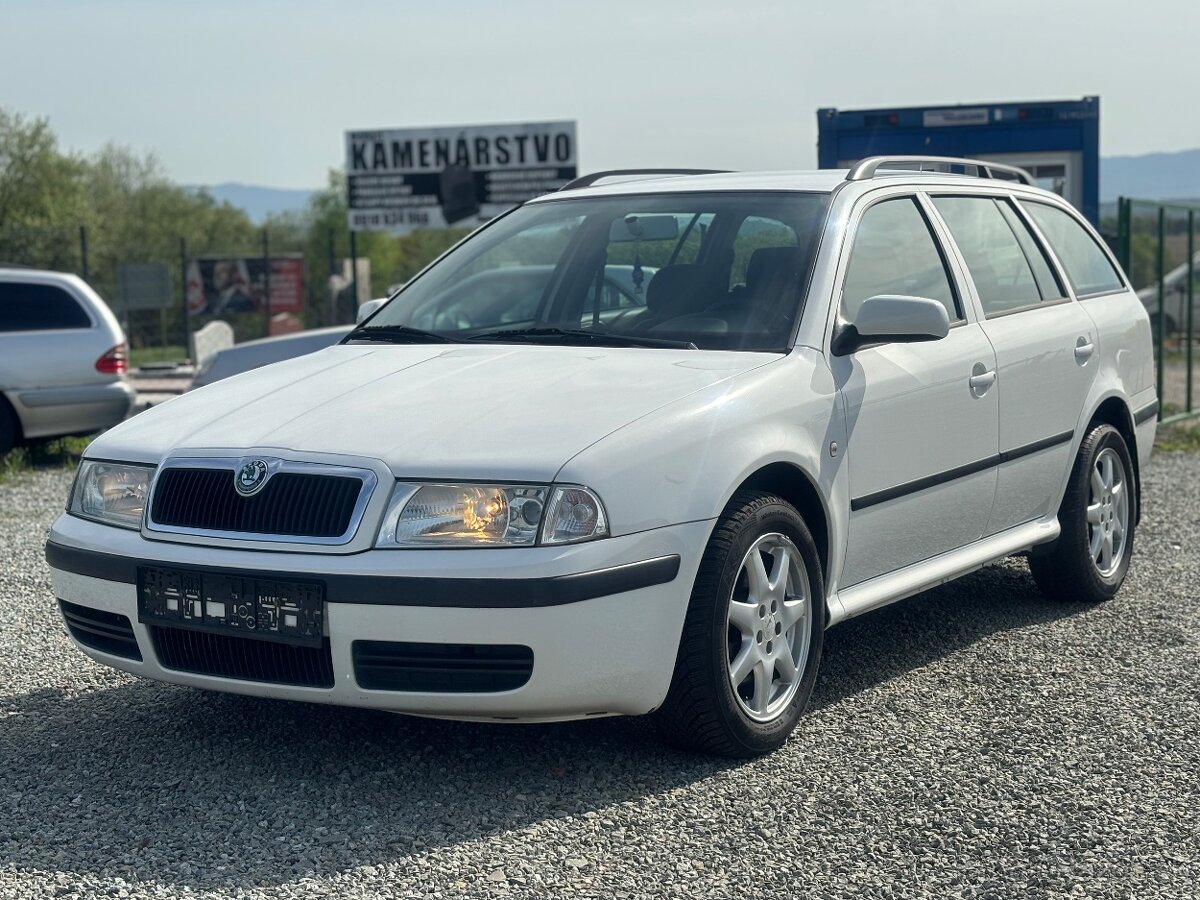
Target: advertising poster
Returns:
[[222, 286]]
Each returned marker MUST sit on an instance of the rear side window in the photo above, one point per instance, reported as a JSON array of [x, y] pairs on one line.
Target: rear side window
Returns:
[[39, 307], [1049, 283], [1088, 269], [1008, 273], [895, 253]]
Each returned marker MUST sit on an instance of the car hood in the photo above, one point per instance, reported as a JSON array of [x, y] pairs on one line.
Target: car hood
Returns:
[[489, 411]]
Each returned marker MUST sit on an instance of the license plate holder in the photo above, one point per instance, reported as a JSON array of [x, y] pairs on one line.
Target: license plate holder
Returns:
[[248, 605]]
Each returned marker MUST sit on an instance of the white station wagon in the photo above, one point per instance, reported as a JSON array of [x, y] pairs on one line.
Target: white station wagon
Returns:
[[538, 497]]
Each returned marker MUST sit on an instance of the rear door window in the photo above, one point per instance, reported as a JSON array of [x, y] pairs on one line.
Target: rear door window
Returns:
[[998, 263], [1088, 268], [25, 306], [1048, 281]]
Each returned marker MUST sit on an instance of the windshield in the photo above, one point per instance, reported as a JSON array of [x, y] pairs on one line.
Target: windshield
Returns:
[[709, 270]]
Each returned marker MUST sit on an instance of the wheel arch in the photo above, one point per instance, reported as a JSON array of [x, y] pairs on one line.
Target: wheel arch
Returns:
[[794, 485], [1114, 410]]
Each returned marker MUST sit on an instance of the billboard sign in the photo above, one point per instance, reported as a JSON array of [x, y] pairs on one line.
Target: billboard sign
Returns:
[[143, 285], [399, 180], [222, 286]]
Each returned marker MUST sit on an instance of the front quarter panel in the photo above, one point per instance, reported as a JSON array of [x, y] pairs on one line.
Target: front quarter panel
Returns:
[[683, 462]]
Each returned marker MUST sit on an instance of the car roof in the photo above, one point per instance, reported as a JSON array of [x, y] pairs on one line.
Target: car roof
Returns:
[[17, 270]]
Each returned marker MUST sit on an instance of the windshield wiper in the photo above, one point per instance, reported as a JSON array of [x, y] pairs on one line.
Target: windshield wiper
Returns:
[[397, 334], [606, 338]]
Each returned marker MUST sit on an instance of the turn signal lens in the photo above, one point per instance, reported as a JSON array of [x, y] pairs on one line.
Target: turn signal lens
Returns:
[[575, 515]]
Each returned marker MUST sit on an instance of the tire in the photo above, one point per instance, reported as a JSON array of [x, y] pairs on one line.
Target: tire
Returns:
[[8, 428], [1071, 568], [703, 711]]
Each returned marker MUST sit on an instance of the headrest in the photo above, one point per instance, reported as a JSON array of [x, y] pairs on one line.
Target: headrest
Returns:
[[771, 265], [678, 290]]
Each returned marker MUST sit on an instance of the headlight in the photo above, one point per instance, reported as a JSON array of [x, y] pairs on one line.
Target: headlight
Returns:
[[112, 493], [490, 515]]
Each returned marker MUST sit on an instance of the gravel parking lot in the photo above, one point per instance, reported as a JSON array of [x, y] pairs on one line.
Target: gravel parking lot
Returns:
[[972, 741]]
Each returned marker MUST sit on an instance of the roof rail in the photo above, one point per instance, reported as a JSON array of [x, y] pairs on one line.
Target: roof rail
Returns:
[[866, 169], [588, 180]]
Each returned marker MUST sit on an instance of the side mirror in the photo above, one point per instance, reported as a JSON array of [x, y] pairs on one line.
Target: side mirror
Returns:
[[892, 319], [365, 311]]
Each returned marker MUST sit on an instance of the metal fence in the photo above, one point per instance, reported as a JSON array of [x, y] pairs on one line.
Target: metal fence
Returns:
[[1155, 242], [1156, 245], [328, 284]]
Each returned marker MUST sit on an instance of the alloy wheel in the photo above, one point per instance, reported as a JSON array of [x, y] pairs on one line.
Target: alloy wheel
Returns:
[[768, 627], [1108, 512]]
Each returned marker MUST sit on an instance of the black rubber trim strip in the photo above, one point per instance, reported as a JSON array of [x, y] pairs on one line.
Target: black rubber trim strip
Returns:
[[1149, 411], [990, 462], [1036, 447], [401, 590]]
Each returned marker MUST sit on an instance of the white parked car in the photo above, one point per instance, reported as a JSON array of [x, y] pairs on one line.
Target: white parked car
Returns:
[[269, 350], [62, 358], [265, 351], [842, 388]]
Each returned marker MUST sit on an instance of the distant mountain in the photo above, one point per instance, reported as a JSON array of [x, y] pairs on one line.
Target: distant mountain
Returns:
[[1154, 176], [258, 202]]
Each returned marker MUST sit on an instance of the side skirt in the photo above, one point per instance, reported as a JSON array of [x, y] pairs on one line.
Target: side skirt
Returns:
[[929, 573]]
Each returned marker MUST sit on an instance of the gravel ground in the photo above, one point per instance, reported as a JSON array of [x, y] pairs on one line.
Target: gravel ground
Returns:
[[974, 741]]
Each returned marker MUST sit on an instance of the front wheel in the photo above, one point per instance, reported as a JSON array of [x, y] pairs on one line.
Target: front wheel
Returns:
[[1098, 516], [752, 636]]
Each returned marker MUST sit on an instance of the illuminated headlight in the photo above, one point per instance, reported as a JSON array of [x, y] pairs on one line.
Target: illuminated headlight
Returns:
[[112, 493], [490, 515]]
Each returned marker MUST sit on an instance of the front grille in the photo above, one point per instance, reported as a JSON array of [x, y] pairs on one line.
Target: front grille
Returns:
[[441, 668], [291, 504], [243, 659], [100, 630]]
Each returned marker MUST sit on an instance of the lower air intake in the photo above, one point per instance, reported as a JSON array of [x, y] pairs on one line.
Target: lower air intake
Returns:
[[100, 630], [441, 668], [243, 659]]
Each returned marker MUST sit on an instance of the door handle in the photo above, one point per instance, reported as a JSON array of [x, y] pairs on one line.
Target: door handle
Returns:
[[1083, 350], [981, 379]]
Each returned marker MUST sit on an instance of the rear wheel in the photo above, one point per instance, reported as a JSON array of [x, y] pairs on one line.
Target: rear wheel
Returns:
[[752, 637], [1089, 560]]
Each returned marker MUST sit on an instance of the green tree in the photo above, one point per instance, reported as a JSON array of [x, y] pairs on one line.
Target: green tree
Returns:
[[394, 259], [42, 193]]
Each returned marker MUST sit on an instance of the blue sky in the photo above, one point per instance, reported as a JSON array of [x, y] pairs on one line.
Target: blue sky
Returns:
[[261, 91]]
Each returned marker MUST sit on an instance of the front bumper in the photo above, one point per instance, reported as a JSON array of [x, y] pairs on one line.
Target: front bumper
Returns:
[[603, 619]]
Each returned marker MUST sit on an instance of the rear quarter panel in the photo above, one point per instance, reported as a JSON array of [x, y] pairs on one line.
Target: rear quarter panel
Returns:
[[1126, 359]]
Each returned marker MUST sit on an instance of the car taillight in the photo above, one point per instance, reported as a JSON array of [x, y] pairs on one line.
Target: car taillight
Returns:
[[114, 362]]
